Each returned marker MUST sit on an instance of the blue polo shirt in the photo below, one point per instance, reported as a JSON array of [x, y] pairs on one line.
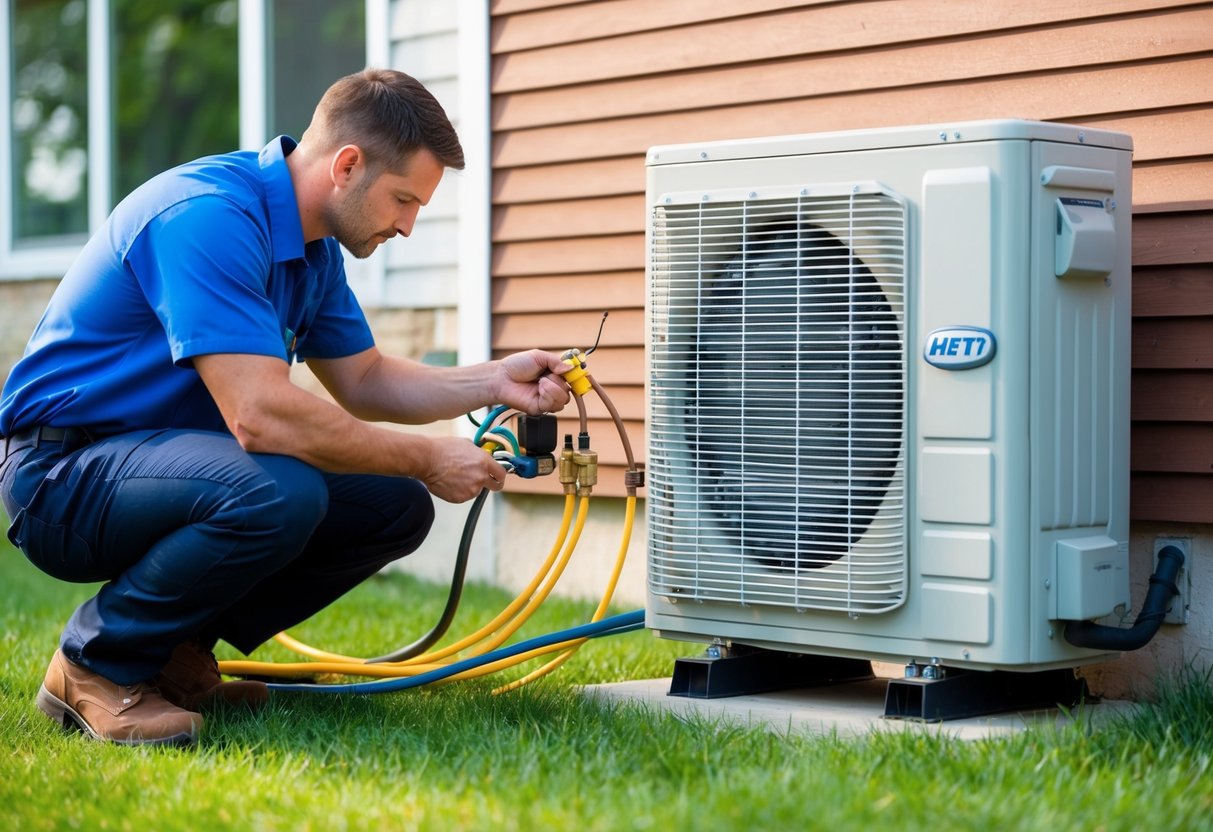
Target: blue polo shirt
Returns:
[[205, 258]]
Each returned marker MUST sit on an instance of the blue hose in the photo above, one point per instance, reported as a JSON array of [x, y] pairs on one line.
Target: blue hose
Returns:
[[622, 623]]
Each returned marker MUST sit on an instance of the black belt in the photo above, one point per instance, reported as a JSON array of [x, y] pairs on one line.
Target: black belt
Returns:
[[36, 437]]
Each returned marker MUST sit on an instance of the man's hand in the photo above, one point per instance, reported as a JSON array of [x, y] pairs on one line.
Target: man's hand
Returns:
[[459, 470], [530, 381]]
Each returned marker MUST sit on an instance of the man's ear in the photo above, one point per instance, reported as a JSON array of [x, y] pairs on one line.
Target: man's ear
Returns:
[[348, 166]]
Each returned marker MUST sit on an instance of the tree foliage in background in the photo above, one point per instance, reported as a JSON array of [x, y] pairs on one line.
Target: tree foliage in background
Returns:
[[177, 85]]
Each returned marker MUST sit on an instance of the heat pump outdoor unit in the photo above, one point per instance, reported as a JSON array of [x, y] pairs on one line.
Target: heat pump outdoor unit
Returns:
[[889, 392]]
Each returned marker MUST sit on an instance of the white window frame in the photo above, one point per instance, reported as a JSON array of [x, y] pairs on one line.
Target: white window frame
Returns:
[[51, 260], [32, 262], [475, 196]]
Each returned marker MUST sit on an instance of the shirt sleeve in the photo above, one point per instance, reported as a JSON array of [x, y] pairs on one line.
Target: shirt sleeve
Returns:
[[203, 265]]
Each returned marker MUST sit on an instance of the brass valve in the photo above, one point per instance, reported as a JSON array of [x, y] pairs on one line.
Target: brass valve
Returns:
[[568, 468], [587, 469]]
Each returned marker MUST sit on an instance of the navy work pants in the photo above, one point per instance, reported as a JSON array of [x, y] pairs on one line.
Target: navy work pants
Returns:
[[196, 538]]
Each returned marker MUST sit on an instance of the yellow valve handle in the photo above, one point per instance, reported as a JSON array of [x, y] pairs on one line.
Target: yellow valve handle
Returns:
[[576, 377]]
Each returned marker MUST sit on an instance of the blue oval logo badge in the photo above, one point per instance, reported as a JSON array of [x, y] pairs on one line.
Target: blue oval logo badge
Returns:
[[959, 347]]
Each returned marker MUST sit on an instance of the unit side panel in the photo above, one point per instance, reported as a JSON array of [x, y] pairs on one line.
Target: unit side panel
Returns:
[[1081, 299]]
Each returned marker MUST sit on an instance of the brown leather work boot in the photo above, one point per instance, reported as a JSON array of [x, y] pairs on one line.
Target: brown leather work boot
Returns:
[[125, 714], [191, 680]]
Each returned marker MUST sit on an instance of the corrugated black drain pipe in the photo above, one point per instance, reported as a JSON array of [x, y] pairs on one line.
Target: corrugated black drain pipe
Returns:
[[1158, 597]]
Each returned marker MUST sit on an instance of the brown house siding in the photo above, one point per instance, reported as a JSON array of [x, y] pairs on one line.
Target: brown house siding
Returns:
[[1172, 440], [582, 89]]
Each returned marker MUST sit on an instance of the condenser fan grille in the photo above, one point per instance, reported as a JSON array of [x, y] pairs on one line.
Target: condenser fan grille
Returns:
[[777, 386]]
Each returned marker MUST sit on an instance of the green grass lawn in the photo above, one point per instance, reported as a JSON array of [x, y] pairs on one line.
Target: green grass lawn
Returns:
[[457, 757]]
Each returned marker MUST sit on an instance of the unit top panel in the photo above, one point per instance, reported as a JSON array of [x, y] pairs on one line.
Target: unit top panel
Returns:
[[886, 138]]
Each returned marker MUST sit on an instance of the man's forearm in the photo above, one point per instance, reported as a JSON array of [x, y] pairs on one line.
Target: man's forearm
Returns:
[[296, 423], [393, 389]]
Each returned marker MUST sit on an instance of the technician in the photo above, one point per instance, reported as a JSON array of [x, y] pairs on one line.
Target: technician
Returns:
[[154, 440]]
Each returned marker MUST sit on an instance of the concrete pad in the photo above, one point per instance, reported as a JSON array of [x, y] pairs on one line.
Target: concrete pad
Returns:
[[850, 709]]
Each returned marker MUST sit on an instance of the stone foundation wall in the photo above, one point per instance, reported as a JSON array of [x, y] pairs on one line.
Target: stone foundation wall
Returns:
[[21, 305]]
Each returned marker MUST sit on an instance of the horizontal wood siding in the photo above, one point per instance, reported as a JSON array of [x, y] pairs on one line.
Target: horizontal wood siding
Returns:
[[1172, 442], [581, 90]]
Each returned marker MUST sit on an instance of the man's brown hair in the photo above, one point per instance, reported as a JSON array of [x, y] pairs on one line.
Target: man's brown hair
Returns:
[[390, 115]]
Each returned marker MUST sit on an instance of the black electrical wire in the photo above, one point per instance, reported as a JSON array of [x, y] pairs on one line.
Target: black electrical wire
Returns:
[[601, 324], [456, 592]]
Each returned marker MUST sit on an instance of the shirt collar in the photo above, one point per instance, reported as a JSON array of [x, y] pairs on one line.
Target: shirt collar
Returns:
[[286, 229]]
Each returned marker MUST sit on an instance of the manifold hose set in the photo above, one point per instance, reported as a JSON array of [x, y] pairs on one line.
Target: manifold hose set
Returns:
[[485, 651]]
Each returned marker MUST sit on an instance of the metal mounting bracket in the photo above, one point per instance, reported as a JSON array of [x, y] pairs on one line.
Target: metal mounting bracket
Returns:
[[737, 671], [965, 693]]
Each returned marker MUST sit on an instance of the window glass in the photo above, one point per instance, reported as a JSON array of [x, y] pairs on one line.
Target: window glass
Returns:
[[176, 85], [49, 110], [173, 93], [312, 44]]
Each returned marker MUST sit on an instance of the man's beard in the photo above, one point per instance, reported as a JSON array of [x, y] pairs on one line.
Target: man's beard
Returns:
[[349, 226]]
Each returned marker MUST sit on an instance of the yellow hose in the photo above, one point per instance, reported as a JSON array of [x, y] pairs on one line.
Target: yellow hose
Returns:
[[296, 670], [302, 649], [501, 636], [613, 582], [351, 666], [527, 591], [306, 650]]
